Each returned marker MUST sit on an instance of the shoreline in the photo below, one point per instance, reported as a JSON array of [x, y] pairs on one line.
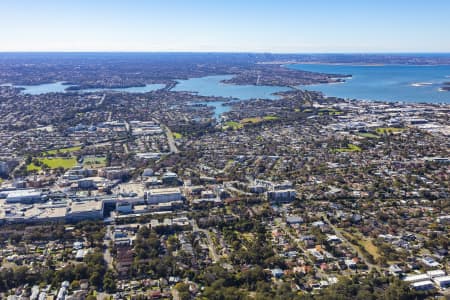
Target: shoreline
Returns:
[[356, 64], [281, 63], [420, 84]]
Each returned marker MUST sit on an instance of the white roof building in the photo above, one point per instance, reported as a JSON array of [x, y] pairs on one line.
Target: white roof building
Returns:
[[442, 282], [416, 278], [24, 196], [423, 285], [436, 273], [85, 210], [155, 196]]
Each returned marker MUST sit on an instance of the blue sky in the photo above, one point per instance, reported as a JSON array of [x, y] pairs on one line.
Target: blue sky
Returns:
[[225, 25]]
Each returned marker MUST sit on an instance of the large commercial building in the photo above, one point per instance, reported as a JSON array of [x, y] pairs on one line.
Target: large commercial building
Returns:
[[85, 210], [24, 196], [281, 195], [113, 173], [156, 196], [36, 213], [57, 210]]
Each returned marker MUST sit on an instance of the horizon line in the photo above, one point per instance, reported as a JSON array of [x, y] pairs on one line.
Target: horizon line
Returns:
[[219, 52]]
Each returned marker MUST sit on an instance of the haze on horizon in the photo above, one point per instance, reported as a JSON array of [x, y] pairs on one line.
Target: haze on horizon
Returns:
[[225, 26]]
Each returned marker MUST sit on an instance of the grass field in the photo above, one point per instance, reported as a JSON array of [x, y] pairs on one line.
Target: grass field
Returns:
[[335, 113], [363, 242], [234, 125], [386, 130], [94, 161], [59, 162], [350, 148], [270, 118], [370, 247], [238, 125], [177, 135], [32, 167], [62, 150], [54, 163], [251, 120]]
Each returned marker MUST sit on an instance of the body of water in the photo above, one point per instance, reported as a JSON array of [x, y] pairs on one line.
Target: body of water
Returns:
[[134, 89], [384, 82], [56, 87], [59, 87], [212, 86], [378, 82], [219, 109]]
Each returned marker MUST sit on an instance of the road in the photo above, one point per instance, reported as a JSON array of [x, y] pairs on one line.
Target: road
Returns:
[[212, 250], [125, 148], [295, 239], [125, 144], [106, 253], [175, 294], [103, 296], [173, 148], [20, 165], [106, 143], [128, 127], [354, 248], [101, 100]]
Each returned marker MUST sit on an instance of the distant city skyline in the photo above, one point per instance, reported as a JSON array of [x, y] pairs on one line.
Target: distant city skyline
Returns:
[[288, 26]]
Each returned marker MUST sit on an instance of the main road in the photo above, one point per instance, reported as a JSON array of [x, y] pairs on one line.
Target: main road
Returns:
[[173, 148], [355, 248], [106, 253], [212, 250]]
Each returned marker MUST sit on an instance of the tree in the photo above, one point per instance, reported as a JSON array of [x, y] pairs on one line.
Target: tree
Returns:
[[75, 284], [183, 291], [109, 282], [95, 279]]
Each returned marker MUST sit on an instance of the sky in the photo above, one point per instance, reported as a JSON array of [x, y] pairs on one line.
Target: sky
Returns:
[[282, 26]]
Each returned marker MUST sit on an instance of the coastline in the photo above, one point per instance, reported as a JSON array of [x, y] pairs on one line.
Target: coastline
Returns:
[[291, 62], [356, 64], [339, 64], [419, 84]]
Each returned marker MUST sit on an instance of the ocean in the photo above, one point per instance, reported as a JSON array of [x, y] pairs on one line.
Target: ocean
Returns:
[[406, 83]]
